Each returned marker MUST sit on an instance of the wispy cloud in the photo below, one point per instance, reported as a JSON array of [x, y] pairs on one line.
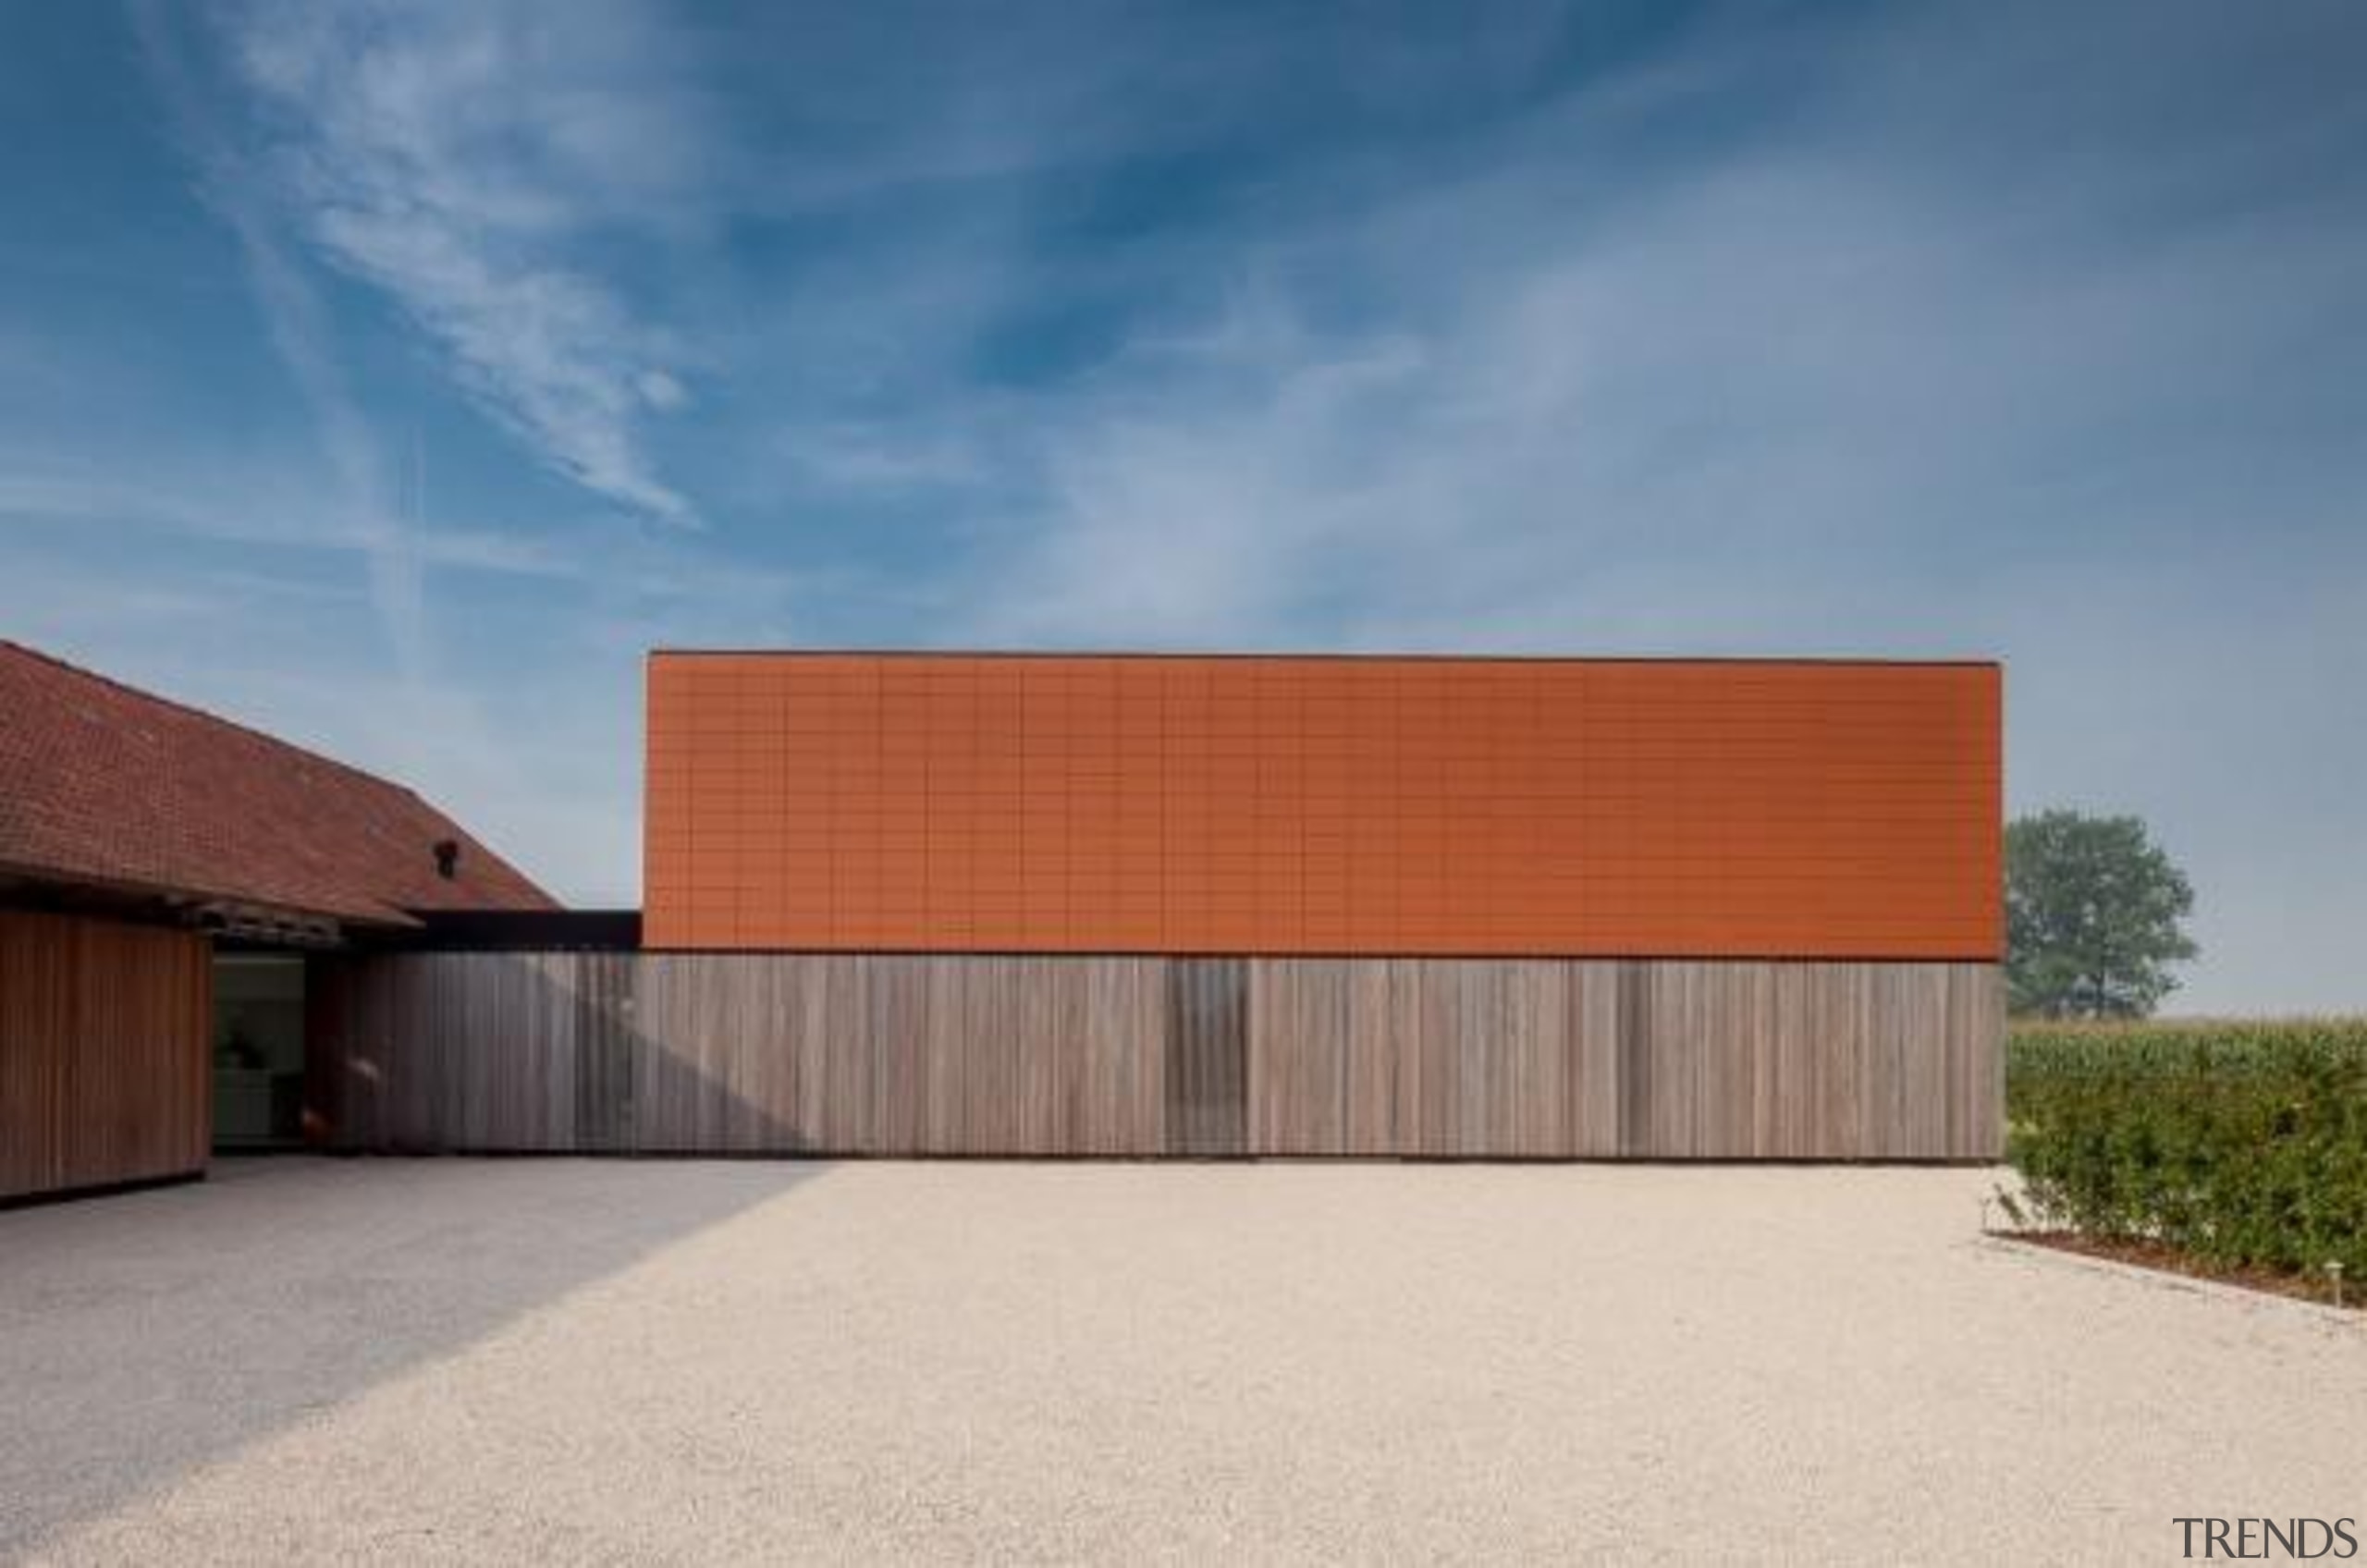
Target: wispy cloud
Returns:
[[268, 512], [450, 236], [452, 156], [2026, 329], [300, 332], [1890, 375]]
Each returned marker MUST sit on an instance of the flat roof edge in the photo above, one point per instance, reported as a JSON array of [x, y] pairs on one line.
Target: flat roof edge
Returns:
[[1867, 661]]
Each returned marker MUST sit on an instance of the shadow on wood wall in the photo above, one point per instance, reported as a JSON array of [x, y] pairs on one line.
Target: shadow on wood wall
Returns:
[[1003, 1054]]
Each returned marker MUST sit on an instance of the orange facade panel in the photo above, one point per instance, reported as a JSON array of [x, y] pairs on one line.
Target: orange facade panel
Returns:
[[1308, 805]]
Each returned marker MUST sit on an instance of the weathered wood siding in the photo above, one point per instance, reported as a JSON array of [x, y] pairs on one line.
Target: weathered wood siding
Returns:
[[1207, 1066], [1046, 1055], [1424, 1057], [898, 1055], [469, 1050], [720, 1053], [103, 1059]]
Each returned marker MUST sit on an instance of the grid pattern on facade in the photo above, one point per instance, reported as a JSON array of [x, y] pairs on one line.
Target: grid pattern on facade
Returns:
[[1284, 805]]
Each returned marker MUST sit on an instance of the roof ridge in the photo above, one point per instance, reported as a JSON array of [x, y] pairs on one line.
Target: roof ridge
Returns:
[[143, 695]]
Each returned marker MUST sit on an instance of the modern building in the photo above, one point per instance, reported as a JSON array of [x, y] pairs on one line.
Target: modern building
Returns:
[[162, 876], [1041, 905], [935, 904]]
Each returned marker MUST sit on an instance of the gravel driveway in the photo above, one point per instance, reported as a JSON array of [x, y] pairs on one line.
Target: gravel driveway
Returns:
[[460, 1360]]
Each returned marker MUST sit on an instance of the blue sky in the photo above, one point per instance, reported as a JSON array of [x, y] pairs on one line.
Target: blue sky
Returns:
[[391, 377]]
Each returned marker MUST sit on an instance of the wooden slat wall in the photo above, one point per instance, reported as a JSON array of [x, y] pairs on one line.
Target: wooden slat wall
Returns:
[[1206, 1030], [898, 1055], [1820, 1060], [1435, 1057], [1047, 1055], [720, 1053], [468, 1050], [103, 1052], [1596, 1059]]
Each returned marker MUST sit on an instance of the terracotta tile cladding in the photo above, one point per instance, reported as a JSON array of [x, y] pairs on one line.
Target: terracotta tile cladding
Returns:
[[1283, 804], [103, 784]]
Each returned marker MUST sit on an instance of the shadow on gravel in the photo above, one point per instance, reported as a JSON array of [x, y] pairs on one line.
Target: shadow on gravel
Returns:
[[145, 1335]]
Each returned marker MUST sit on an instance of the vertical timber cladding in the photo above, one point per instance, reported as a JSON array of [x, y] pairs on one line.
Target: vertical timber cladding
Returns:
[[868, 1054], [604, 1004], [105, 1030], [1610, 1058], [889, 1054], [695, 1053], [1208, 1057], [1510, 1059], [515, 1052]]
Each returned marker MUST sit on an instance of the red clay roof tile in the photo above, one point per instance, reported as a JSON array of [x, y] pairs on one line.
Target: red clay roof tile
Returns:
[[103, 784]]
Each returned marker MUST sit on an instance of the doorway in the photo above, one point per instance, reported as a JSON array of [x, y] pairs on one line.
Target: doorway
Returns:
[[258, 1050]]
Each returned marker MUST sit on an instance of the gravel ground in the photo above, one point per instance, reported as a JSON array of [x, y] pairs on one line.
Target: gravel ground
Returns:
[[618, 1362]]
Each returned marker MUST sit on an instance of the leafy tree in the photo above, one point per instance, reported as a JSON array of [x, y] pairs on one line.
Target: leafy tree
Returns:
[[2094, 916]]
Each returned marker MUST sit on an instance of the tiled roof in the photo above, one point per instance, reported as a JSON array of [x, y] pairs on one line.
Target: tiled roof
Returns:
[[105, 785]]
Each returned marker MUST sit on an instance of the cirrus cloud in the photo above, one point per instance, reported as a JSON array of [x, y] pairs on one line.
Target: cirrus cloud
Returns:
[[452, 158]]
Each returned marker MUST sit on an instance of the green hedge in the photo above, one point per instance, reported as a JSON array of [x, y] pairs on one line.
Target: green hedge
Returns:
[[2243, 1145]]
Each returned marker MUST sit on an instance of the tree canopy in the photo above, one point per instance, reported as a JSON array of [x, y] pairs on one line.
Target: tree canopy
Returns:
[[2094, 916]]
